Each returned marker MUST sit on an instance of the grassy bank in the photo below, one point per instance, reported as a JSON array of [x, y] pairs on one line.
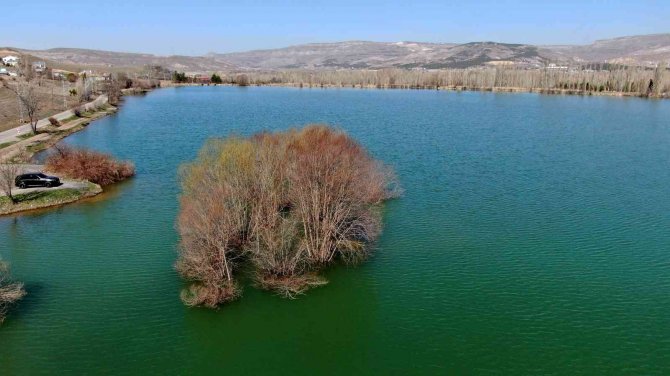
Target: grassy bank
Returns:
[[46, 198]]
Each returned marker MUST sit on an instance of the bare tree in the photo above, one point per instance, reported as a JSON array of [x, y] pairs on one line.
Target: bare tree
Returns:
[[242, 80], [25, 69], [555, 79], [10, 292], [8, 173], [84, 89], [112, 89], [658, 78], [290, 202], [29, 99]]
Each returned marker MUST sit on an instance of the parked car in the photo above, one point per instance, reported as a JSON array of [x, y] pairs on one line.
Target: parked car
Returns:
[[36, 179]]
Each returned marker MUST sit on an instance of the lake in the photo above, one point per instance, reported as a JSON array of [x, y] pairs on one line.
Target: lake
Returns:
[[533, 237]]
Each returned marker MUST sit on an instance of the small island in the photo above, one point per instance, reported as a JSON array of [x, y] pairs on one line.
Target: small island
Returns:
[[83, 173], [283, 205]]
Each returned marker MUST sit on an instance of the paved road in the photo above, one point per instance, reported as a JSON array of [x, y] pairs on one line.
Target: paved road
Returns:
[[11, 135]]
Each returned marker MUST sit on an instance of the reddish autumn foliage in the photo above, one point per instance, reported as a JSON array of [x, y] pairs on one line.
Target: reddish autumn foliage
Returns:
[[88, 165]]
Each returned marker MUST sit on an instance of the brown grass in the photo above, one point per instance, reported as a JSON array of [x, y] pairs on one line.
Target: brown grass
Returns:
[[88, 165], [53, 98]]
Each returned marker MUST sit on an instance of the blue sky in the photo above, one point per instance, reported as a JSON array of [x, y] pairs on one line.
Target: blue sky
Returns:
[[197, 27]]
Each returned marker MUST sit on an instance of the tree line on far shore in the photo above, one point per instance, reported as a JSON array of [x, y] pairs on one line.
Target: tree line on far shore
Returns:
[[615, 79]]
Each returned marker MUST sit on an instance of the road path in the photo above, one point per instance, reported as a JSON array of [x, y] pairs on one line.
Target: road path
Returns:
[[11, 135], [66, 183]]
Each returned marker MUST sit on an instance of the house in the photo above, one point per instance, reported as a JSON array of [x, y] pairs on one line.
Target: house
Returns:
[[39, 66], [10, 60], [57, 75], [553, 66], [202, 79]]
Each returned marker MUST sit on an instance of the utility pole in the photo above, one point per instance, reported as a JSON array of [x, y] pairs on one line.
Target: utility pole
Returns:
[[64, 96], [18, 99]]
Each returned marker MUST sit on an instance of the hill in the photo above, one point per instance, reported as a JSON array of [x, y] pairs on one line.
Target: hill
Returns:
[[106, 60], [634, 50], [641, 49]]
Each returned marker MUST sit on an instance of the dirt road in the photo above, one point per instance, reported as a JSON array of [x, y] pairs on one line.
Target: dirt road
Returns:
[[12, 134]]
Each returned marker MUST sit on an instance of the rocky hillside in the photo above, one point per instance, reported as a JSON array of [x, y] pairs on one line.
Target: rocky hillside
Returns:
[[645, 49], [109, 59], [359, 54], [642, 49]]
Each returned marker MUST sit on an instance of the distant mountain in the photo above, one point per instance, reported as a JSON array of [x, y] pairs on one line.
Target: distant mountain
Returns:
[[639, 49], [109, 59], [359, 54], [644, 49]]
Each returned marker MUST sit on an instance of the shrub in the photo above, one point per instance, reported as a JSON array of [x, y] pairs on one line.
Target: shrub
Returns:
[[8, 172], [145, 84], [54, 122], [78, 111], [288, 203], [10, 292], [242, 80], [88, 165]]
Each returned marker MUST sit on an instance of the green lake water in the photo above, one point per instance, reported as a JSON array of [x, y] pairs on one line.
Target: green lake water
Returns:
[[533, 238]]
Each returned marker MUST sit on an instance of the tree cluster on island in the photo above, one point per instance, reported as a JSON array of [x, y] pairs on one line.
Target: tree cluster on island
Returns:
[[283, 205]]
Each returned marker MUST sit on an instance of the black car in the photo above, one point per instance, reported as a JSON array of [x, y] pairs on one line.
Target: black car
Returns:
[[36, 179]]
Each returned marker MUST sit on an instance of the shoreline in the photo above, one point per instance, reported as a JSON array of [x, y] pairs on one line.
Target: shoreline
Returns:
[[27, 147], [575, 92], [24, 150], [49, 198]]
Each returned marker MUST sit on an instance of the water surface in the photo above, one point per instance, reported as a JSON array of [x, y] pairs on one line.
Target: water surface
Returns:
[[533, 238]]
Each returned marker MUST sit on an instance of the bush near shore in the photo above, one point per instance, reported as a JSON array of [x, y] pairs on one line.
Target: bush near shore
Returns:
[[88, 165], [10, 292], [284, 205]]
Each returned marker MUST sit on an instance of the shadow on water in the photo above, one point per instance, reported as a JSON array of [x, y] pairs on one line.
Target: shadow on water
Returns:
[[34, 296]]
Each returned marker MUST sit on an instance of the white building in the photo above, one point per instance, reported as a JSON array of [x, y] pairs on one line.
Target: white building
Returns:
[[553, 66], [39, 66], [10, 60]]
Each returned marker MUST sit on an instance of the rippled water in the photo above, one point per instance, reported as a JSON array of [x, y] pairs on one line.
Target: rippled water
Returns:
[[533, 238]]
